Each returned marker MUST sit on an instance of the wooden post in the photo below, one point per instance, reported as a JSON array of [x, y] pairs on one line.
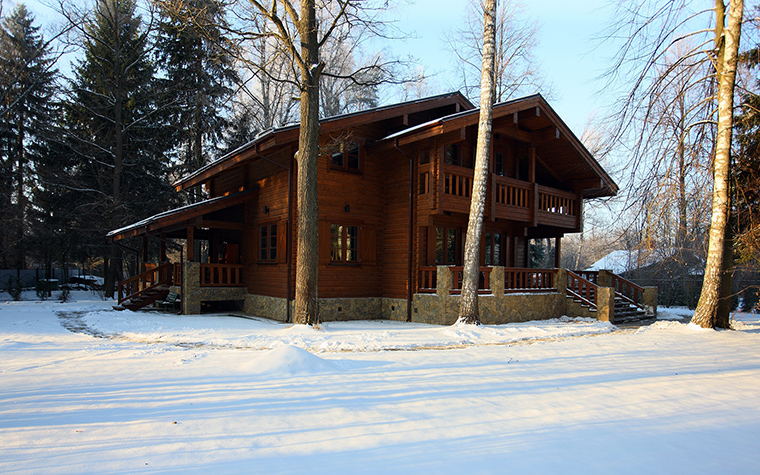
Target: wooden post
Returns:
[[191, 244], [162, 248], [144, 253], [557, 251]]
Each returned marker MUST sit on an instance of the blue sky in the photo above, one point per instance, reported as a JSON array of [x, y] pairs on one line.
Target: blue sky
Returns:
[[566, 51]]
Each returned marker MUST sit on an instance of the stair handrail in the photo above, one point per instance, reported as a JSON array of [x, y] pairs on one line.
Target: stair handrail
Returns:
[[585, 289], [628, 291], [160, 275]]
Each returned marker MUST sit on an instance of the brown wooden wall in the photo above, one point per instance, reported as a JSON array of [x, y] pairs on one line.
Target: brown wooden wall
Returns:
[[363, 193]]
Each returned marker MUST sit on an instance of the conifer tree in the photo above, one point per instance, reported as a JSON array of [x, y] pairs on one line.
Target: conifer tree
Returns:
[[27, 83], [200, 76], [117, 128]]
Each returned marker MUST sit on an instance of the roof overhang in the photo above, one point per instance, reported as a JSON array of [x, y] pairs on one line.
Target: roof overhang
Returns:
[[171, 218], [271, 139], [529, 119]]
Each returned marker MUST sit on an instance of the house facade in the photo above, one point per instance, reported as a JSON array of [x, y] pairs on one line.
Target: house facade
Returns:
[[394, 190]]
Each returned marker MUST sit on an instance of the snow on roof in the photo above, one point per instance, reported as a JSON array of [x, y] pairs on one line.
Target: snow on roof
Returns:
[[622, 261]]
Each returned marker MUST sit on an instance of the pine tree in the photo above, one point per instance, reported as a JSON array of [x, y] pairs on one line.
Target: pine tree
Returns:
[[117, 127], [200, 74], [27, 84]]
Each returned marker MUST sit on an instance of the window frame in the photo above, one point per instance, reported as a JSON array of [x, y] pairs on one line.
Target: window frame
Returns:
[[344, 151], [347, 245], [266, 243]]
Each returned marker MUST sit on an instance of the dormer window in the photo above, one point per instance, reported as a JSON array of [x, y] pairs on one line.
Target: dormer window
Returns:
[[346, 156]]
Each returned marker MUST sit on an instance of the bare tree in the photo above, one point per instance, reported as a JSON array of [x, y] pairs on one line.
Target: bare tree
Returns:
[[727, 39], [660, 40], [515, 70], [468, 307]]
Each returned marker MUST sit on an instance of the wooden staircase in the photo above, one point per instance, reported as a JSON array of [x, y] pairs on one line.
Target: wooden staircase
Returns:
[[628, 308], [143, 299], [627, 313], [145, 289]]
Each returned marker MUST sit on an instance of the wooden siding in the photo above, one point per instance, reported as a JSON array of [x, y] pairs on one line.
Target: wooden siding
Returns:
[[351, 198]]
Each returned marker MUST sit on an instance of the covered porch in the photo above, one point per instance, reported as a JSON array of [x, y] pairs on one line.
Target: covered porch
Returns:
[[196, 251]]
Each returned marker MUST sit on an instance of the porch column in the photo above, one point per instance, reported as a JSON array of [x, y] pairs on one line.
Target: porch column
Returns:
[[557, 251], [191, 286], [144, 253], [162, 248], [191, 243]]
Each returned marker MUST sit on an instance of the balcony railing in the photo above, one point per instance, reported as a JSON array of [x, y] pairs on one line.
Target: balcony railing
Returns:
[[222, 275]]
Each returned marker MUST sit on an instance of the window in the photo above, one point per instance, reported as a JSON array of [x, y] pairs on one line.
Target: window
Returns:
[[424, 157], [446, 246], [346, 156], [451, 155], [268, 243], [493, 249], [498, 163], [344, 243]]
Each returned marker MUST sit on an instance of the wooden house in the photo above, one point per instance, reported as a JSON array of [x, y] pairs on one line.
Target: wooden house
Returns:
[[394, 191]]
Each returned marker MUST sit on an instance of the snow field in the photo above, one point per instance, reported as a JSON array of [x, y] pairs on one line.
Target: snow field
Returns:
[[252, 396]]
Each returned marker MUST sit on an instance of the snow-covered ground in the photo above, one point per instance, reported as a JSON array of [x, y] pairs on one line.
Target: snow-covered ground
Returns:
[[84, 389]]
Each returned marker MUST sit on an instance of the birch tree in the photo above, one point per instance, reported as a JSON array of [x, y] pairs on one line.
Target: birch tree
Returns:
[[468, 307], [728, 29]]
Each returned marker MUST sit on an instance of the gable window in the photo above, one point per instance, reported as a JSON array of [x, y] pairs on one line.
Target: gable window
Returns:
[[452, 155], [268, 243], [344, 243], [498, 164], [346, 156]]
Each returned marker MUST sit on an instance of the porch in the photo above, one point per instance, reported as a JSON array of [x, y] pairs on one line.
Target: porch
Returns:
[[509, 294]]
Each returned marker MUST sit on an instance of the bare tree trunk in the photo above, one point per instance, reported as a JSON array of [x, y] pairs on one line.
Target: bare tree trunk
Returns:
[[707, 308], [468, 308], [306, 304]]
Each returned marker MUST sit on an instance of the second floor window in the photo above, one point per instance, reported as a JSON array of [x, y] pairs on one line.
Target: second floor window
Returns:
[[452, 155], [498, 164], [346, 156]]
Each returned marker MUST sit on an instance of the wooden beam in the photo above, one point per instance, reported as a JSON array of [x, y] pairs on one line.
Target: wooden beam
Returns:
[[513, 132], [546, 135]]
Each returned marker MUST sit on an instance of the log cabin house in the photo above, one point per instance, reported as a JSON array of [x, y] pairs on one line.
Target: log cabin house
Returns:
[[394, 191]]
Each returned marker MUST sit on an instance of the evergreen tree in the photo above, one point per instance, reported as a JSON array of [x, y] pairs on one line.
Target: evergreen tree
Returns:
[[200, 73], [117, 128], [27, 84]]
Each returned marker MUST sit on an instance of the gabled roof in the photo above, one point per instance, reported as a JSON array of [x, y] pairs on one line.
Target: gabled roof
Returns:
[[530, 119], [289, 133]]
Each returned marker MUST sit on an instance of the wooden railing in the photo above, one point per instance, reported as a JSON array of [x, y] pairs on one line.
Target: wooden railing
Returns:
[[627, 290], [511, 192], [582, 289], [518, 279], [556, 201], [222, 275], [160, 275], [589, 275], [484, 280], [457, 181], [428, 282]]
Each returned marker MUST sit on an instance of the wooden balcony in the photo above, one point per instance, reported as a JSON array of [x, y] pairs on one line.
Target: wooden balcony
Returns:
[[508, 198]]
